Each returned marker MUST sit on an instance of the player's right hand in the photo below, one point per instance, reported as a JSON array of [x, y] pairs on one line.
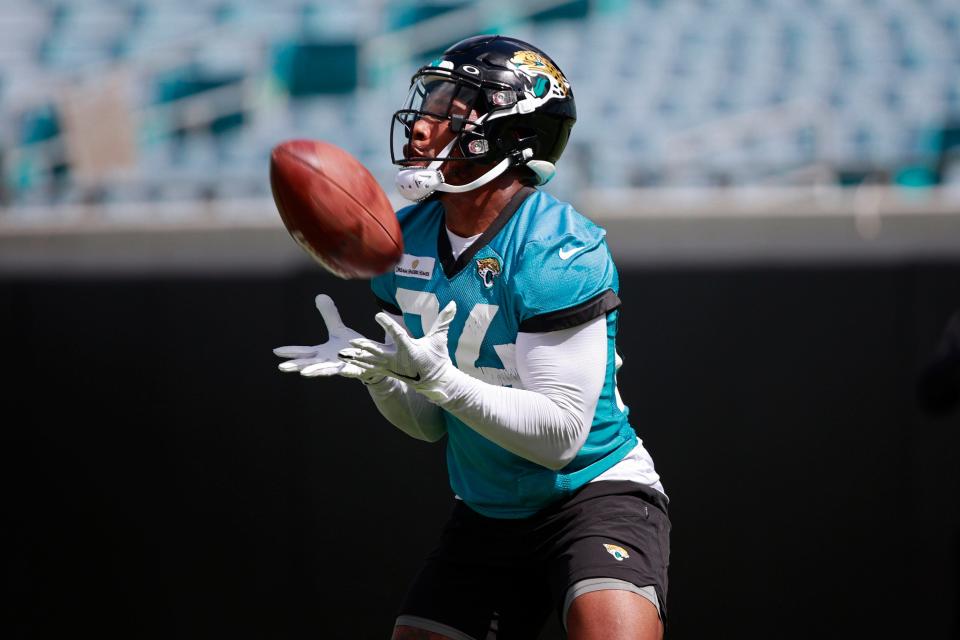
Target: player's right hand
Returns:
[[321, 360]]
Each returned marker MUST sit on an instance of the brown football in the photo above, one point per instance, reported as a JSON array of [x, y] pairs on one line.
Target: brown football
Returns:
[[335, 209]]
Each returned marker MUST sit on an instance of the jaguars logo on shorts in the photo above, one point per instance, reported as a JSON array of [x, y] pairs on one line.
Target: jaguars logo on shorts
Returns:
[[617, 552], [488, 269]]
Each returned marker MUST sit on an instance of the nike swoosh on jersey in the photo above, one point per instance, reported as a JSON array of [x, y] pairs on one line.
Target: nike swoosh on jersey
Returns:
[[565, 255]]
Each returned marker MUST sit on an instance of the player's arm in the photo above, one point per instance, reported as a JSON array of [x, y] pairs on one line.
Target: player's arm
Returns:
[[405, 408], [546, 422], [400, 404]]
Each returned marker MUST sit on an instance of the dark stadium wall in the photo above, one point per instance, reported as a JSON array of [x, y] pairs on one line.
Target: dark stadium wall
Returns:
[[164, 480]]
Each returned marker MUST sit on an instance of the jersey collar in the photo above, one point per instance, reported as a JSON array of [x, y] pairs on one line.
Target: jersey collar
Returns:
[[452, 267]]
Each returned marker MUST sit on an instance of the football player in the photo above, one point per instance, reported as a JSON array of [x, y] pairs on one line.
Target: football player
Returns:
[[500, 325]]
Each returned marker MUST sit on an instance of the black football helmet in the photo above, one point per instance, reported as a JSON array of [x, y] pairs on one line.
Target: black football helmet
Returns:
[[507, 102]]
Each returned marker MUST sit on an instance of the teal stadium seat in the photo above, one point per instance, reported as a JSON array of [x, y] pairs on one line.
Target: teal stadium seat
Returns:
[[866, 78]]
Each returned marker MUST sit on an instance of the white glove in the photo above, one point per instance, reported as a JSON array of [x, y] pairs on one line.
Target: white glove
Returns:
[[420, 362], [321, 359]]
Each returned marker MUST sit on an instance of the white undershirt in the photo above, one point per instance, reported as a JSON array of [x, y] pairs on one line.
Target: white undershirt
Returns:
[[459, 244]]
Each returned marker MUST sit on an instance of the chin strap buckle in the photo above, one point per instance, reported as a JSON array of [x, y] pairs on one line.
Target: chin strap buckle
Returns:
[[416, 184]]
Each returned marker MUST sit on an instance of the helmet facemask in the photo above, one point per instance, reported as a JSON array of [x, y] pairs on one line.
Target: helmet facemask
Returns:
[[438, 97]]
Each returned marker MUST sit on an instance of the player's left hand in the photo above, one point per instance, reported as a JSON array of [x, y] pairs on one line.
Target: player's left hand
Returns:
[[420, 362]]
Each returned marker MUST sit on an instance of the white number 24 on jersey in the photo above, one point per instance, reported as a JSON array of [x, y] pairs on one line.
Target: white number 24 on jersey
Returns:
[[426, 305]]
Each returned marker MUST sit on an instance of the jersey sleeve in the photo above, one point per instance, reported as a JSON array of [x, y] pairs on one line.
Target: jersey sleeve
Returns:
[[566, 281], [384, 286], [384, 290]]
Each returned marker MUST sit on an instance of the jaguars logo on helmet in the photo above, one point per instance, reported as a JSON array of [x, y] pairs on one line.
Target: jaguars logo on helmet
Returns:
[[546, 79]]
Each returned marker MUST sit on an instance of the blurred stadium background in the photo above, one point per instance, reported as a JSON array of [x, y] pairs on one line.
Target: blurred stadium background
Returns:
[[780, 180], [818, 122]]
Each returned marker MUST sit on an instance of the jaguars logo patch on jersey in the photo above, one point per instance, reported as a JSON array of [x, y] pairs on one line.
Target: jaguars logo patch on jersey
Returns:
[[488, 269]]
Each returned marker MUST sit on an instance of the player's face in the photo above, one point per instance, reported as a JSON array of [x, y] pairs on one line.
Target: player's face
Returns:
[[431, 131], [430, 134]]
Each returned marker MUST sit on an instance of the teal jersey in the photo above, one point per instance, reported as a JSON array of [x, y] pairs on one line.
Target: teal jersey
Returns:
[[540, 266]]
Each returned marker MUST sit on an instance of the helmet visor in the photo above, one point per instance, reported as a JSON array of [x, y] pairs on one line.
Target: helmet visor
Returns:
[[446, 107]]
